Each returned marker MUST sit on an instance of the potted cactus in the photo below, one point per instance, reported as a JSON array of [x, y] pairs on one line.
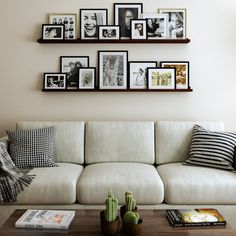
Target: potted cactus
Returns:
[[109, 217], [130, 204], [132, 223]]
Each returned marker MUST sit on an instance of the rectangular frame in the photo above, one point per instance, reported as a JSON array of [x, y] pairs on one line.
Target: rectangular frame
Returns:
[[182, 72], [90, 19], [164, 78], [112, 67], [54, 81], [69, 20], [53, 32], [109, 32], [87, 81], [138, 28], [123, 13]]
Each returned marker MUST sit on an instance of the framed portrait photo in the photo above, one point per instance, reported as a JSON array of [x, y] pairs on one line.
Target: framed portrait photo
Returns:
[[161, 78], [54, 81], [68, 20], [108, 32], [87, 78], [182, 72], [123, 13], [112, 69], [90, 19], [52, 32], [176, 27], [139, 29], [138, 73], [70, 65]]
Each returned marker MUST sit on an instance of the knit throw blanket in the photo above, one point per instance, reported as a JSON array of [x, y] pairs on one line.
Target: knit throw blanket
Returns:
[[12, 180]]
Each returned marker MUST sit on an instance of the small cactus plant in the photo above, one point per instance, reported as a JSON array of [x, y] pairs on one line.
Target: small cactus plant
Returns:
[[131, 217], [130, 202], [111, 211]]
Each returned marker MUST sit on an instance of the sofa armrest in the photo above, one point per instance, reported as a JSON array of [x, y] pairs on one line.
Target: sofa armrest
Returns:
[[4, 140]]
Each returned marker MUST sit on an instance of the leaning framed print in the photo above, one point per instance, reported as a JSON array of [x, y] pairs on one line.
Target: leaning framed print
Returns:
[[68, 20], [123, 13], [182, 72], [54, 81], [138, 73], [70, 65], [52, 32], [90, 19], [138, 29], [109, 32], [87, 78], [161, 78], [112, 67], [176, 22]]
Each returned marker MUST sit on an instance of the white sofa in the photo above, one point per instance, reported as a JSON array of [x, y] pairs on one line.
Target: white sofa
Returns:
[[144, 157]]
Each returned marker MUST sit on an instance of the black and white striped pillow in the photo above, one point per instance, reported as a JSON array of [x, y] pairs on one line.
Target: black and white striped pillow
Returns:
[[212, 149], [32, 148]]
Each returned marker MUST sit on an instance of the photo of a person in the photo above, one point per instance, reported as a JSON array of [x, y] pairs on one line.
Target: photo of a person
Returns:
[[54, 81], [52, 31], [138, 32], [51, 82], [87, 78], [109, 32]]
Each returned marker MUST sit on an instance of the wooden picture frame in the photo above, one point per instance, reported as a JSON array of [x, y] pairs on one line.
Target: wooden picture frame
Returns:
[[54, 81], [87, 78], [53, 32], [109, 32]]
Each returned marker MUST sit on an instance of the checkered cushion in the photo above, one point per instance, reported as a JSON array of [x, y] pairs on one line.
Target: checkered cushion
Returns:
[[32, 148]]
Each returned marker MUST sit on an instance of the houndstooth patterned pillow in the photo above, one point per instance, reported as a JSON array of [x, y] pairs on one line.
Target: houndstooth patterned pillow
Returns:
[[32, 148]]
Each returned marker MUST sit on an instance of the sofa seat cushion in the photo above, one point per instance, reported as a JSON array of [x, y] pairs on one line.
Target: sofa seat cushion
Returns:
[[197, 185], [52, 185], [142, 179]]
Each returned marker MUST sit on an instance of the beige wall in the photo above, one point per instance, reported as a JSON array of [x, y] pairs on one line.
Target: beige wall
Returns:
[[212, 56]]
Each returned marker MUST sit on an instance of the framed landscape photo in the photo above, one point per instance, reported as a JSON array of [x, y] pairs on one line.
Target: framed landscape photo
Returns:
[[70, 65], [176, 22], [90, 19], [138, 73], [68, 20], [112, 67], [87, 78], [182, 72], [52, 32], [161, 78], [139, 29], [123, 13], [108, 32], [54, 81]]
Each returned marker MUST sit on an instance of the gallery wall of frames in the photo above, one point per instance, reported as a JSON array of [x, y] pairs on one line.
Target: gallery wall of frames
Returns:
[[116, 71]]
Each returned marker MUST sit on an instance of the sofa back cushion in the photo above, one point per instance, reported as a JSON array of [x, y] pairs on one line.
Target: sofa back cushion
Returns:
[[173, 139], [69, 142], [108, 141]]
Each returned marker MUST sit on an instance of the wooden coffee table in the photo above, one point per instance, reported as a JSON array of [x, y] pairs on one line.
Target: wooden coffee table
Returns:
[[87, 223]]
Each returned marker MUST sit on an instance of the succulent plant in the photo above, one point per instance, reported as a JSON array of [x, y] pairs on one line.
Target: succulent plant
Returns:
[[111, 211], [131, 217], [130, 202]]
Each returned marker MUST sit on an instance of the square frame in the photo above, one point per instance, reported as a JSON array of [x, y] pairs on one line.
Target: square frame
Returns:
[[112, 67], [109, 32], [87, 81], [138, 29], [123, 13], [54, 81], [164, 78], [53, 32], [182, 72]]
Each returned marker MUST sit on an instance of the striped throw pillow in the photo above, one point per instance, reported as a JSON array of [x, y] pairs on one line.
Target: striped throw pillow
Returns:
[[212, 149], [32, 148]]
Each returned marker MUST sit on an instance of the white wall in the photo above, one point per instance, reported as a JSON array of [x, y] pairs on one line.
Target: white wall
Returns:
[[212, 56]]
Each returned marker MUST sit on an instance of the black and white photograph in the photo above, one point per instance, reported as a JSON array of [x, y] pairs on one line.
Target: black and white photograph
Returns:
[[54, 81], [90, 19], [87, 78], [68, 20], [138, 73], [139, 29], [156, 25], [108, 32], [70, 65], [52, 32], [161, 78], [112, 69], [176, 27], [124, 12]]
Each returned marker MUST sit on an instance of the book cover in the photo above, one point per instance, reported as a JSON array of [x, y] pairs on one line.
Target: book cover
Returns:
[[46, 219], [195, 217]]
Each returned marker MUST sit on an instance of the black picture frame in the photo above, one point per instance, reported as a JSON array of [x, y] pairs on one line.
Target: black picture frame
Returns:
[[54, 81], [86, 81], [53, 32], [110, 34], [138, 29]]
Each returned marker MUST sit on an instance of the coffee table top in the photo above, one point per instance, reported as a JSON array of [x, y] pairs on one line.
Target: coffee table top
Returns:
[[87, 223]]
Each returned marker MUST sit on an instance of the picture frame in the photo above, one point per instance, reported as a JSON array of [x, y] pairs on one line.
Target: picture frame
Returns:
[[161, 78], [70, 65], [87, 78], [90, 19], [112, 67], [182, 72], [109, 32], [69, 20], [52, 32], [123, 13], [138, 29], [156, 25], [54, 81], [177, 22], [138, 73]]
